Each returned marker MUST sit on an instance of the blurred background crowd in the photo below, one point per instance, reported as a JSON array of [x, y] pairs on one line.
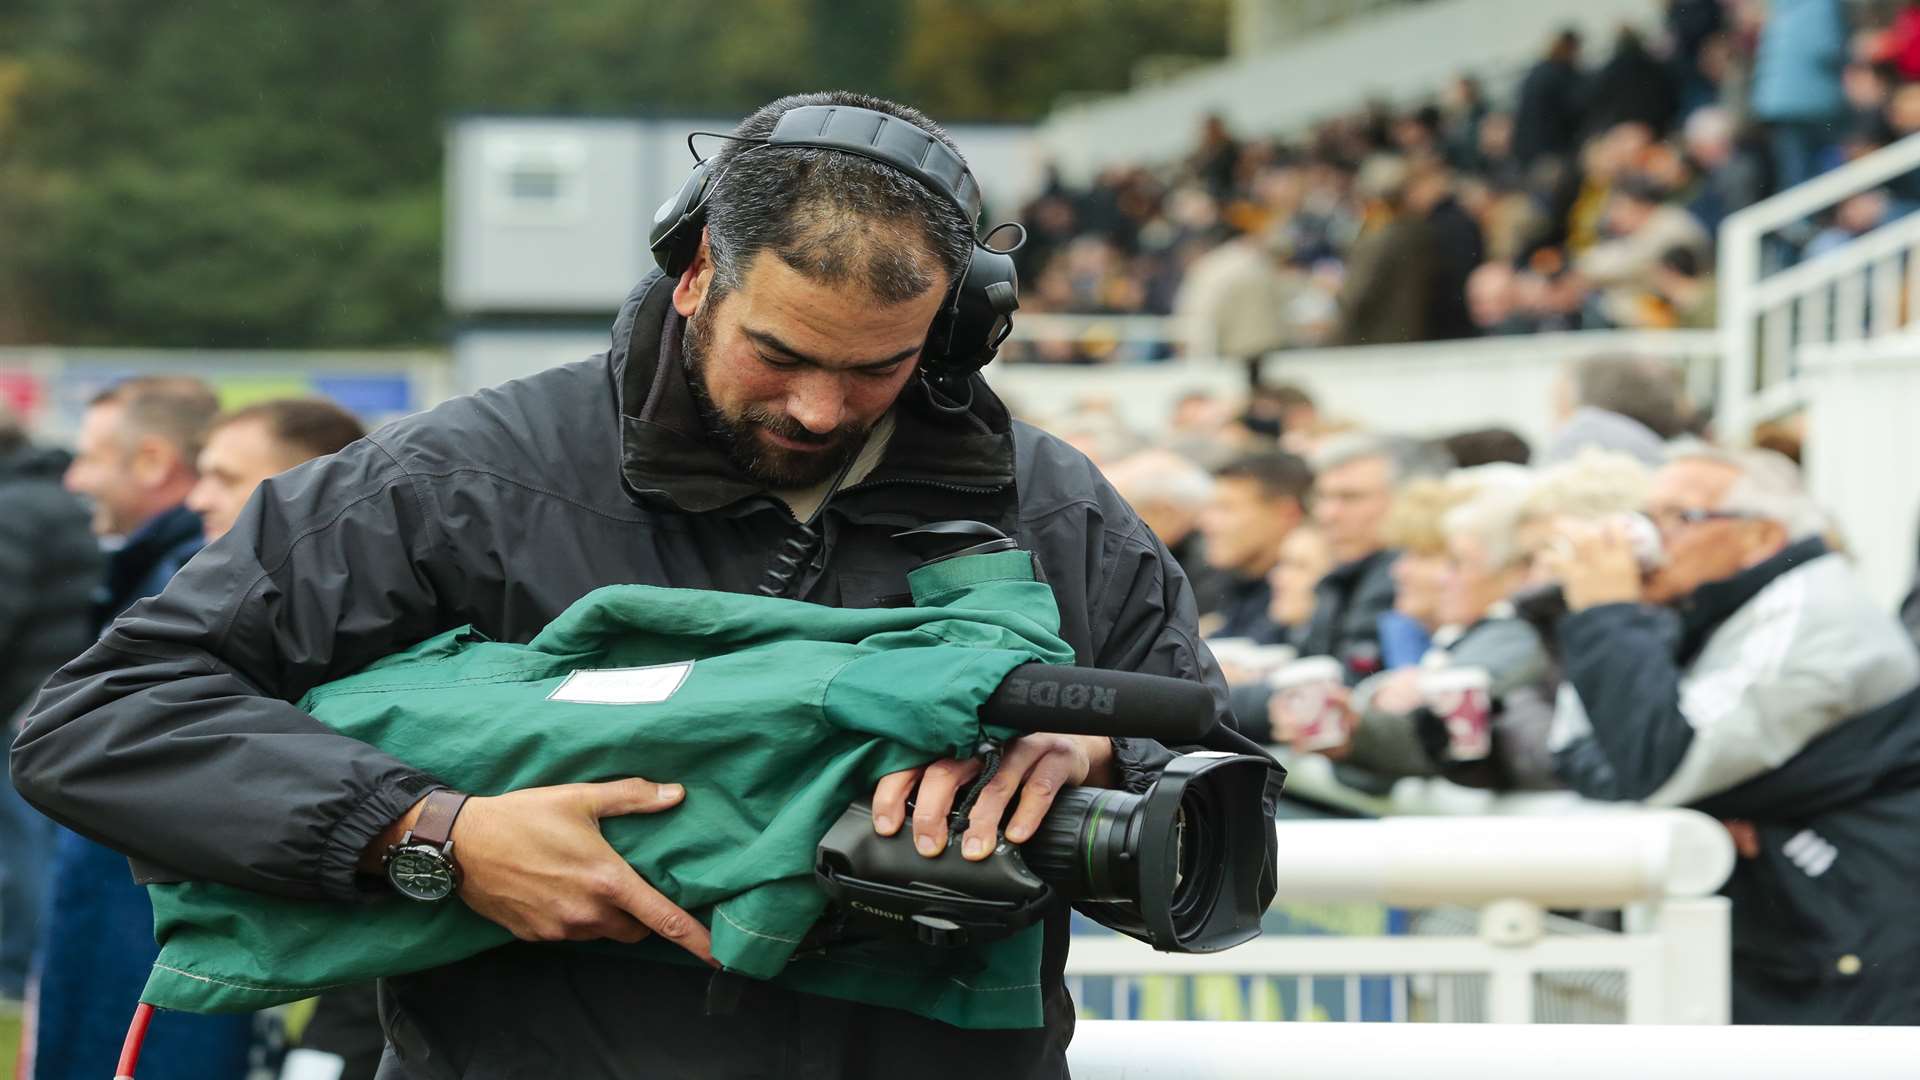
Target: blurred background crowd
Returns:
[[1582, 194]]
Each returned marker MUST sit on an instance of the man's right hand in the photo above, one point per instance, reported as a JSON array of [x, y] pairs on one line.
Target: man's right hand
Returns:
[[534, 861]]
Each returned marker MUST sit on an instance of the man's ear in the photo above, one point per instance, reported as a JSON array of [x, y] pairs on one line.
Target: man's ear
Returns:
[[691, 292], [152, 460]]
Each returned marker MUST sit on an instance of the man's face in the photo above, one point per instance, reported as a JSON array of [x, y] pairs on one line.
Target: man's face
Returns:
[[103, 472], [1243, 527], [1473, 583], [1701, 548], [236, 458], [792, 374], [1350, 502]]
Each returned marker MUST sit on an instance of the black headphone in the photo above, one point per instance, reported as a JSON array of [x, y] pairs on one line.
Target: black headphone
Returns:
[[976, 315]]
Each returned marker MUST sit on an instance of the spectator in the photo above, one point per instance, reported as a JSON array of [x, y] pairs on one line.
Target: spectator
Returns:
[[1632, 87], [246, 447], [1257, 499], [1171, 494], [1774, 645], [1796, 84], [1276, 408], [1683, 294], [137, 447], [1353, 489], [1387, 294], [1234, 299], [1625, 403], [1491, 300], [49, 568], [1552, 100], [1419, 574], [1458, 247], [1304, 560], [1643, 227], [1731, 177]]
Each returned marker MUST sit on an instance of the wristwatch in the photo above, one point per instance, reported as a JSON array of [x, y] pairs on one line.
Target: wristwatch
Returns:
[[421, 866]]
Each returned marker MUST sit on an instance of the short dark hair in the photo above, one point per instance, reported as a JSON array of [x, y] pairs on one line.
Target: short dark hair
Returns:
[[174, 407], [833, 216], [1280, 475], [1485, 446], [311, 426], [1637, 387]]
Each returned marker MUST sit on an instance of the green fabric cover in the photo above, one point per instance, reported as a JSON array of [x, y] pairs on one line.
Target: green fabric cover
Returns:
[[789, 712]]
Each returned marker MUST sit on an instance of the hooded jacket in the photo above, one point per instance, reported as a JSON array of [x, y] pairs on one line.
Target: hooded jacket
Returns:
[[1718, 705], [176, 738]]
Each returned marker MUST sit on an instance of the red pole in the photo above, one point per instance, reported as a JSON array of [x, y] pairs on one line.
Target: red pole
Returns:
[[136, 1035]]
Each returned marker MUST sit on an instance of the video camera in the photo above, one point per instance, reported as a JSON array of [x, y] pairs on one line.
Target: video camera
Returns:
[[1187, 865]]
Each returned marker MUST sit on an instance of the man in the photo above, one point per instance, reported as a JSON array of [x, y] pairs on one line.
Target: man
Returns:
[[1750, 642], [135, 463], [1354, 479], [779, 364], [242, 449], [49, 565], [246, 446], [1387, 294], [1642, 227], [1552, 99], [1628, 404], [1257, 499]]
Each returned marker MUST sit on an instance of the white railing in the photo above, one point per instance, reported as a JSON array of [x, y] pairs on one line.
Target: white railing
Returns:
[[1768, 313], [1660, 867], [1202, 1051]]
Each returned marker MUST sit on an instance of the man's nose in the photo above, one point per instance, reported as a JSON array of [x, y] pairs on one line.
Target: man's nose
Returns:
[[818, 402]]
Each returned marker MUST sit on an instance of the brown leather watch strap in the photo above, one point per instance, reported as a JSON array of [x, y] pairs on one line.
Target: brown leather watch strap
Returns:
[[434, 826]]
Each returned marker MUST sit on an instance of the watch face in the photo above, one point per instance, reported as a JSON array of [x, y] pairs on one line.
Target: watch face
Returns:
[[421, 873]]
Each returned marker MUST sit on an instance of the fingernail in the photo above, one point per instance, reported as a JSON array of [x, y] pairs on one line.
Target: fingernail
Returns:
[[885, 825], [974, 847], [670, 792], [926, 845], [1017, 834]]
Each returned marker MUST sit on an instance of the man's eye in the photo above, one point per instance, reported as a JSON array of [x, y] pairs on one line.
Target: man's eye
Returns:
[[881, 372], [779, 362]]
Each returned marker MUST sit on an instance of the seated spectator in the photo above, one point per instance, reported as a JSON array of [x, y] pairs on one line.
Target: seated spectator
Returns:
[[1256, 500], [1304, 560], [1683, 295], [1354, 478], [1748, 643], [1625, 403], [1170, 493], [1641, 227]]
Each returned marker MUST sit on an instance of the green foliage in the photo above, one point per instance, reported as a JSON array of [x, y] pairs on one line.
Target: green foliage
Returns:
[[267, 172]]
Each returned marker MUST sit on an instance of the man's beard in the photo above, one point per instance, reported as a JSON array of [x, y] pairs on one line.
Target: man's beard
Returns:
[[738, 436]]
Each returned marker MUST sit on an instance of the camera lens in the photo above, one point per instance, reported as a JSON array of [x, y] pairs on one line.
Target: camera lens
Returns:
[[1088, 845]]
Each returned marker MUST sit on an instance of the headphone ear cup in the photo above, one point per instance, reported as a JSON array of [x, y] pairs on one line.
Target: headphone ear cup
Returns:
[[967, 333], [677, 225]]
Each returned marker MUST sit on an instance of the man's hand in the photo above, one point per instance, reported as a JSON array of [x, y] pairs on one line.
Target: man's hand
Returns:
[[1596, 565], [1034, 767], [534, 861]]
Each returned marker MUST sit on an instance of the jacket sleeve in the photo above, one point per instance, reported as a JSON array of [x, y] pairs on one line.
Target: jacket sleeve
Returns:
[[1619, 661], [174, 740]]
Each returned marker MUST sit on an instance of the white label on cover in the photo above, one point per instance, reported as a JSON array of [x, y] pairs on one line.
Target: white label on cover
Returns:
[[623, 686]]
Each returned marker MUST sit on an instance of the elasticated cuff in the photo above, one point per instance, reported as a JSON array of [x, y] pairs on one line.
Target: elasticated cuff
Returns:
[[336, 872]]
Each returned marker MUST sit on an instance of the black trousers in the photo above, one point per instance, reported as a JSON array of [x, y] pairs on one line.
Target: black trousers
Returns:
[[534, 1013]]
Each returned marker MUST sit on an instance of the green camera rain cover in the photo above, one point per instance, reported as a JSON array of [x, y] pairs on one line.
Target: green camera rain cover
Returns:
[[774, 714]]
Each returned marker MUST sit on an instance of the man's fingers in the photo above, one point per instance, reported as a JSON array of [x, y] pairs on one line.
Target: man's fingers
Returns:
[[1053, 772], [663, 916], [935, 800], [632, 796], [890, 800], [984, 819]]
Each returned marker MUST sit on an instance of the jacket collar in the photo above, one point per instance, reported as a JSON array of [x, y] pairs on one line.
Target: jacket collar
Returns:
[[1347, 576], [668, 457], [1704, 609], [166, 534]]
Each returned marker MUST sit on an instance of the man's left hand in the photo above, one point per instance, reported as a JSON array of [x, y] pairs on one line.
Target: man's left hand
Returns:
[[1596, 565], [1034, 767]]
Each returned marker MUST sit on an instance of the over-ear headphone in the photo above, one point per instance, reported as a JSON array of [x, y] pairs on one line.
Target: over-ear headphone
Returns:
[[976, 315]]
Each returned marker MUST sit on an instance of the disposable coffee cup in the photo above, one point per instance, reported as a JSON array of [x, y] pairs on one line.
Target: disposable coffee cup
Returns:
[[1307, 691], [1461, 697]]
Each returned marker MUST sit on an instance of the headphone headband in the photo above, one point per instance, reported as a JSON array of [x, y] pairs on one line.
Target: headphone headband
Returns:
[[888, 140]]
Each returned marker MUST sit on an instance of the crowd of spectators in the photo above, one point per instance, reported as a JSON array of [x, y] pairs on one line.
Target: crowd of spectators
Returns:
[[1627, 613], [1582, 195]]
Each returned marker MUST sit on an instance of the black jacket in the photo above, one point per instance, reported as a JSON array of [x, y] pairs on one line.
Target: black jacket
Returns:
[[1547, 119], [49, 566], [1347, 605], [174, 739]]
